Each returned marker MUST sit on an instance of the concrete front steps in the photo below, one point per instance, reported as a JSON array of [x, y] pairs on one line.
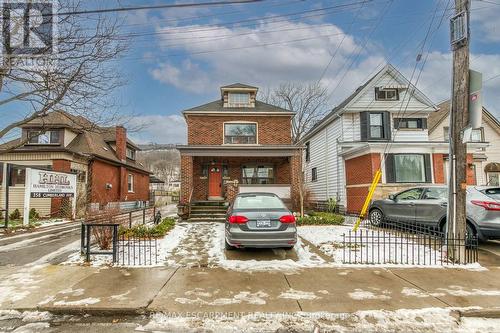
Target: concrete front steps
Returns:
[[208, 211]]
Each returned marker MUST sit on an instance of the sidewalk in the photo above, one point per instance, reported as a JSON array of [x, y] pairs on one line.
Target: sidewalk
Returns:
[[73, 289]]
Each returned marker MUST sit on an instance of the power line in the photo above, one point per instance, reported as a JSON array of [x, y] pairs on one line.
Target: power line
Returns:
[[127, 9]]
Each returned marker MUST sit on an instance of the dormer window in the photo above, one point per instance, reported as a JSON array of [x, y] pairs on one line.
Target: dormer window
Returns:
[[45, 138], [386, 94], [130, 153], [239, 99]]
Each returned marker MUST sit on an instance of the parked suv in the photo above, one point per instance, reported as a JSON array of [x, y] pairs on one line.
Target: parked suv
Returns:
[[428, 206], [259, 220]]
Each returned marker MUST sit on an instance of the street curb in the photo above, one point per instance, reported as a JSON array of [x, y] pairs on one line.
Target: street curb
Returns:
[[90, 310], [480, 313]]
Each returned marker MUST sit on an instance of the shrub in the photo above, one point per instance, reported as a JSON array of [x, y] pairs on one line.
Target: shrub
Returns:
[[15, 215], [321, 218], [331, 205], [34, 214], [142, 231]]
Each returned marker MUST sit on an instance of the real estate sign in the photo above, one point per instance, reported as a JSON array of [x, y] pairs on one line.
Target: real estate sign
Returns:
[[48, 184]]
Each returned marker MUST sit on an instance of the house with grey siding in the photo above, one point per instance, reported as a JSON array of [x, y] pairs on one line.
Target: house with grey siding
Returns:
[[382, 125]]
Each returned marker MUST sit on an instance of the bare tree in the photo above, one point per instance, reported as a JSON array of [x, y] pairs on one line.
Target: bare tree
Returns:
[[82, 80], [309, 101], [165, 164]]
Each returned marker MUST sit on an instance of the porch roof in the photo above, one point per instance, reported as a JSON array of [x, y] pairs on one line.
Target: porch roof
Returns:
[[239, 150]]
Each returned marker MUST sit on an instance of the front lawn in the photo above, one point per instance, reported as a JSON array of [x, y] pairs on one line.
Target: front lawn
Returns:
[[321, 218]]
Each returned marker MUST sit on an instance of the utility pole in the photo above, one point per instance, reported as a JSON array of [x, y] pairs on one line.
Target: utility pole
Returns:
[[459, 118]]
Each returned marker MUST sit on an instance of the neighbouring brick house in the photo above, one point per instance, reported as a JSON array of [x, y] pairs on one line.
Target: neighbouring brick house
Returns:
[[382, 125], [238, 144], [102, 157]]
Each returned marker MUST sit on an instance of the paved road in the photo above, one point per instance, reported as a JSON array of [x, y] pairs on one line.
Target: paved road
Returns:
[[48, 245]]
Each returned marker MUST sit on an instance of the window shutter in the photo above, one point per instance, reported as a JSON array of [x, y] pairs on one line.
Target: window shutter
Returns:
[[424, 123], [396, 123], [364, 125], [427, 163], [386, 117], [390, 177]]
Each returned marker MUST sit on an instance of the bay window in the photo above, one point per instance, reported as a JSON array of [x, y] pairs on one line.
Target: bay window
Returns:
[[257, 174], [408, 168], [240, 133]]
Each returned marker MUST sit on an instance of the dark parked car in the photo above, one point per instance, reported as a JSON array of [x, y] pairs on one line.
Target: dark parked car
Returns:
[[428, 205], [259, 220]]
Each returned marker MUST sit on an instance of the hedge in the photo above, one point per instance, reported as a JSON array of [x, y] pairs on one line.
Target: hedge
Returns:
[[140, 231], [321, 218]]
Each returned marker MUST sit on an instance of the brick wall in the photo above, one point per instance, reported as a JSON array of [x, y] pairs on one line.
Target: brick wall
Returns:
[[360, 170], [102, 173], [186, 178], [356, 197], [208, 130], [57, 203], [438, 168], [471, 175]]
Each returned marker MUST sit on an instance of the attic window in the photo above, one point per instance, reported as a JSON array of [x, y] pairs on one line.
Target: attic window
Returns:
[[130, 153], [387, 94], [46, 138], [239, 99]]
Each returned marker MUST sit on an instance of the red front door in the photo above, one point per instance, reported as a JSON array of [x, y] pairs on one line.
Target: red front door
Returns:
[[215, 181]]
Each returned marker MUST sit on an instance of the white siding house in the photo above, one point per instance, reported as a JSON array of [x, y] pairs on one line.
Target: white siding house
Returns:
[[382, 125]]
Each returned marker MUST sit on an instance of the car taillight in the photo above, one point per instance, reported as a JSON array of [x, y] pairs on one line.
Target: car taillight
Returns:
[[488, 205], [237, 219], [287, 219]]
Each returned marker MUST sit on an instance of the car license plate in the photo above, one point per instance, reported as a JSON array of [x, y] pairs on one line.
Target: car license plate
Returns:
[[263, 223]]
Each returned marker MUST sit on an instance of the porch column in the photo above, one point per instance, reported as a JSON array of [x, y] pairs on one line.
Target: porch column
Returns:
[[186, 178], [296, 179]]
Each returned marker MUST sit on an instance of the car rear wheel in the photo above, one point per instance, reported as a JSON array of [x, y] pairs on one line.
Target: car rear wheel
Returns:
[[227, 246], [376, 217]]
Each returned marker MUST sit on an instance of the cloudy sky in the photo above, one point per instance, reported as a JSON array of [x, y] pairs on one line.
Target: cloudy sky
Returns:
[[180, 57]]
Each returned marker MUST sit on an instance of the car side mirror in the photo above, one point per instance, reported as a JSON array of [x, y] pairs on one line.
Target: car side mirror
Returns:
[[392, 197]]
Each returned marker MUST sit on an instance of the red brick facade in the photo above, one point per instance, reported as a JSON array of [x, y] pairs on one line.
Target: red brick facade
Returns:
[[108, 183], [359, 175], [438, 168], [209, 130]]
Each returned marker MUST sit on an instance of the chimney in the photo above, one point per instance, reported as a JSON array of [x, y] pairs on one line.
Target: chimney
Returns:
[[121, 142]]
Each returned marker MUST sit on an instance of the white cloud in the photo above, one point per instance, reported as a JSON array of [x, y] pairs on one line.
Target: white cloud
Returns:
[[158, 129], [265, 66], [484, 19]]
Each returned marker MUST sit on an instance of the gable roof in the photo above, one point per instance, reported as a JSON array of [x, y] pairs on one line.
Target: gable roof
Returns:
[[218, 106], [436, 118], [59, 118], [239, 85], [338, 110]]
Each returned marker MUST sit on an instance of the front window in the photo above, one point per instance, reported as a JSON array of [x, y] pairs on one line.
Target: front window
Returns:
[[409, 168], [131, 153], [239, 99], [257, 174], [386, 94], [376, 126], [130, 182], [46, 138], [240, 133]]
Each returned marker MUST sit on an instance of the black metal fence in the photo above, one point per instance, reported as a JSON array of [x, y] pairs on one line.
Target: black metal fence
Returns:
[[407, 244], [104, 239], [128, 218]]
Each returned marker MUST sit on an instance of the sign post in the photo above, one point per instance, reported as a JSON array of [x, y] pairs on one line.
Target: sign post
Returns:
[[48, 184]]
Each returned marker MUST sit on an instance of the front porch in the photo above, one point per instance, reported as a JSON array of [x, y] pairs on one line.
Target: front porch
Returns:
[[220, 174]]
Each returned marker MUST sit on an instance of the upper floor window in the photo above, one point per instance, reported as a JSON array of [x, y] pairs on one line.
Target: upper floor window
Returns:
[[476, 136], [386, 94], [131, 153], [239, 99], [46, 138], [410, 123], [130, 183], [375, 126], [308, 151], [240, 133]]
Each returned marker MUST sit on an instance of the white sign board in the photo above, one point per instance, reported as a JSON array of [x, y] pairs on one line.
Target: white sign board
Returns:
[[51, 184], [48, 184]]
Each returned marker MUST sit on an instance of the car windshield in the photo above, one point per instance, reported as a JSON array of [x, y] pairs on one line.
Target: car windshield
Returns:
[[258, 202], [493, 193]]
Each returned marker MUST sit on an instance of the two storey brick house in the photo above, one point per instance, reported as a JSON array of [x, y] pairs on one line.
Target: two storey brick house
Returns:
[[238, 144]]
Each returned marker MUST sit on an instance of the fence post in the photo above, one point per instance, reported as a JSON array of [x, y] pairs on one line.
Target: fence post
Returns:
[[130, 220], [144, 216], [87, 235], [115, 241], [154, 213], [82, 238]]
